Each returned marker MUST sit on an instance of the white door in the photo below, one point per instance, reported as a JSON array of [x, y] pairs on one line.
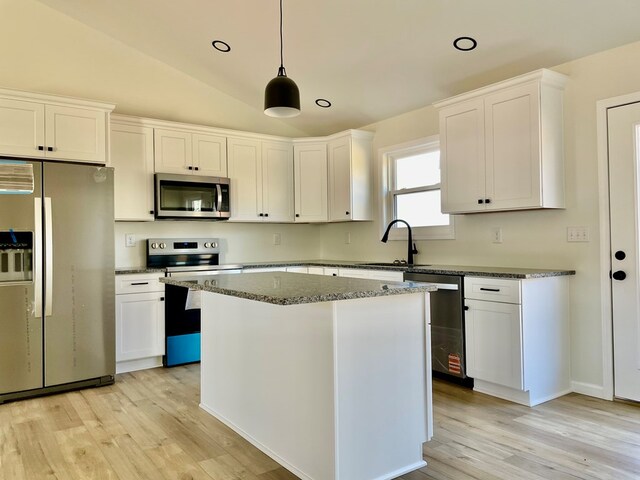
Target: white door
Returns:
[[210, 155], [75, 134], [624, 171], [277, 181], [173, 151]]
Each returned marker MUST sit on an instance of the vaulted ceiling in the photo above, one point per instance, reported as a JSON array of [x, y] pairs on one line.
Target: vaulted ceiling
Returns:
[[373, 59]]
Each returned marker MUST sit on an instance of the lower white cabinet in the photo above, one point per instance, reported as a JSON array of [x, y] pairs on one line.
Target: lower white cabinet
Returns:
[[371, 274], [517, 337], [140, 339]]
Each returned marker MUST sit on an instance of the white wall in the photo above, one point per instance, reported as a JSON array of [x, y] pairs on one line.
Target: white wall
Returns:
[[242, 242], [531, 238], [42, 50]]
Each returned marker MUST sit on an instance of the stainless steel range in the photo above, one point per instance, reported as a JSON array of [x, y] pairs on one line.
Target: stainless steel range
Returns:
[[185, 257]]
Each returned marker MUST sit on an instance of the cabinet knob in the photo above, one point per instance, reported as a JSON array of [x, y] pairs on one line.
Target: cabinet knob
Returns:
[[196, 168], [190, 167], [297, 214], [347, 213], [41, 147], [466, 308], [487, 200], [49, 149], [151, 212], [266, 214], [162, 299], [620, 255], [261, 215], [480, 201]]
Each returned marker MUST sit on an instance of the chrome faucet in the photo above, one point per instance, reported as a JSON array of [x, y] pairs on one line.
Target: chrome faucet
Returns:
[[411, 247]]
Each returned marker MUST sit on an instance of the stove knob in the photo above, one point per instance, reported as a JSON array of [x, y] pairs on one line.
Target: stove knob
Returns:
[[154, 245], [207, 244], [214, 245], [163, 245]]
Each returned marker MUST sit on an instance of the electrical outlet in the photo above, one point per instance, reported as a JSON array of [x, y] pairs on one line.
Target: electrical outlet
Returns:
[[276, 239], [347, 238], [496, 235], [129, 240], [577, 234]]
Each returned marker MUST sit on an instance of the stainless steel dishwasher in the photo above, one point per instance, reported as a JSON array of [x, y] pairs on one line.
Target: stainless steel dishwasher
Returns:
[[447, 325]]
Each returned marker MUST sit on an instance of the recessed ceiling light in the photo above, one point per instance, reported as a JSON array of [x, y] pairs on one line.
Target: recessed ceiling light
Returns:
[[321, 102], [465, 44], [221, 46]]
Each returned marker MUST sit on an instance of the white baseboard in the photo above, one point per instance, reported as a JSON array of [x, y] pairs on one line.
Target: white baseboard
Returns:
[[590, 390]]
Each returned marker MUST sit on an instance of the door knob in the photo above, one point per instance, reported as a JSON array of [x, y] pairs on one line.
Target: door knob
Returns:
[[619, 275]]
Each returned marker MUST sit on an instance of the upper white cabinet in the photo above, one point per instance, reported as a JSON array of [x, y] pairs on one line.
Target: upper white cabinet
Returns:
[[186, 152], [132, 158], [310, 172], [261, 174], [501, 146], [349, 168], [57, 128]]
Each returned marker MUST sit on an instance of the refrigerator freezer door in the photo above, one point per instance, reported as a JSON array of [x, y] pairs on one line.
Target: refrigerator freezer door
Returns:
[[80, 330], [20, 329]]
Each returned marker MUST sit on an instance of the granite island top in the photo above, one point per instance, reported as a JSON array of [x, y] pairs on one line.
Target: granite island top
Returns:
[[286, 288], [478, 271]]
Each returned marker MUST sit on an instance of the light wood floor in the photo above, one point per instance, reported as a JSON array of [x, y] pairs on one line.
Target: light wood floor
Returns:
[[148, 426]]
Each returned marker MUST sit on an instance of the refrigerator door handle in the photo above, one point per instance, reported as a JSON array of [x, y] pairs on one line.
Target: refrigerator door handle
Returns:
[[37, 257], [48, 258]]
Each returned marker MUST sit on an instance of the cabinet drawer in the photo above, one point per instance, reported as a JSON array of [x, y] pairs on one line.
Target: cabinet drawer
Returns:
[[139, 283], [492, 289]]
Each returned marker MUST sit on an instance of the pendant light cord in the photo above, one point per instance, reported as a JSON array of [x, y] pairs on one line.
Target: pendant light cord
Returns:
[[281, 41]]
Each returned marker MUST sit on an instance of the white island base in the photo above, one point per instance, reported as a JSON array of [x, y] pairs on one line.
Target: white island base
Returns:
[[335, 390]]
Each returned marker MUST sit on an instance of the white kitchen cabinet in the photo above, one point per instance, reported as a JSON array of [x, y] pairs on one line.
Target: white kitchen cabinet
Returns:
[[187, 152], [310, 180], [132, 159], [350, 171], [264, 269], [140, 338], [385, 275], [517, 337], [297, 269], [501, 146], [56, 128], [261, 176]]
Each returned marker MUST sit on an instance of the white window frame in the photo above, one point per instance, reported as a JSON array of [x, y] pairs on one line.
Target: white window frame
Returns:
[[386, 157]]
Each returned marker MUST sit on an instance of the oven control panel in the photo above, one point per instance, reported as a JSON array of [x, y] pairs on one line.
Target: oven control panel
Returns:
[[182, 246]]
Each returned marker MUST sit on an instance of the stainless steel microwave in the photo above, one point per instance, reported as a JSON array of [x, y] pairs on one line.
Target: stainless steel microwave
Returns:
[[191, 197]]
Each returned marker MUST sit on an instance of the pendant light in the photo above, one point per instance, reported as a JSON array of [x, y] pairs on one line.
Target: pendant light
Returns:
[[281, 96]]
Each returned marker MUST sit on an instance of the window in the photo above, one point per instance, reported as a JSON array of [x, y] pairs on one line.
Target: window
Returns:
[[412, 190]]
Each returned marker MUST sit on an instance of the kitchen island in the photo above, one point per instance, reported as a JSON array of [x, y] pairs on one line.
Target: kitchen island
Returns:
[[329, 376]]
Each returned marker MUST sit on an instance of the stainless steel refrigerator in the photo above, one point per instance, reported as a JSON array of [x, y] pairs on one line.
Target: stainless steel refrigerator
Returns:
[[57, 312]]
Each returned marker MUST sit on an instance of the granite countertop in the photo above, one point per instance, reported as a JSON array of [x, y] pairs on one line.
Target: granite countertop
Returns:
[[132, 270], [285, 288], [470, 270], [479, 271]]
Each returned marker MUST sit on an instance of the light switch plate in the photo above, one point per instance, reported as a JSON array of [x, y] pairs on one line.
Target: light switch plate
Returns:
[[496, 235], [577, 234], [276, 239], [129, 240]]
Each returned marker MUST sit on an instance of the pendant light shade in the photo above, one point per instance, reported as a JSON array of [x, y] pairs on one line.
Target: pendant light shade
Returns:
[[281, 96]]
